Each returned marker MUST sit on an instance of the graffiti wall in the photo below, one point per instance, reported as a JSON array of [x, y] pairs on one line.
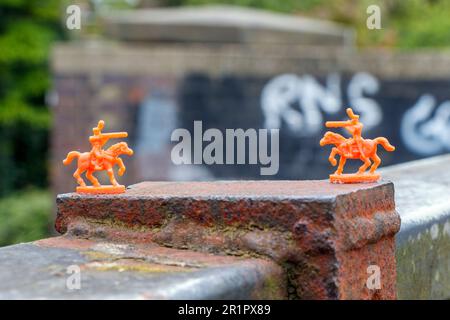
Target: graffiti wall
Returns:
[[414, 115]]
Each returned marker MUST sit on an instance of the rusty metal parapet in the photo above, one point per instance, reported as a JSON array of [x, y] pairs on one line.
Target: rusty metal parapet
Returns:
[[324, 236]]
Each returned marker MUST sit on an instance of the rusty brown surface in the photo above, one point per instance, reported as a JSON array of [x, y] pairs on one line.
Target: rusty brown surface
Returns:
[[325, 236]]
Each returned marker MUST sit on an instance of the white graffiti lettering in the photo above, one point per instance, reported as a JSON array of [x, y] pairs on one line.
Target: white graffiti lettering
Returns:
[[425, 128], [298, 101]]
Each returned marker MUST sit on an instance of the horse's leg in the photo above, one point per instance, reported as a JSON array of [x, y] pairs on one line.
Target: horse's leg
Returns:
[[376, 162], [112, 178], [92, 179], [342, 162], [332, 156], [364, 167], [121, 166], [77, 176]]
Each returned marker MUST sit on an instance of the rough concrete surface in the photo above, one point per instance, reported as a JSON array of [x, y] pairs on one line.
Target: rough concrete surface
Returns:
[[423, 243], [39, 270]]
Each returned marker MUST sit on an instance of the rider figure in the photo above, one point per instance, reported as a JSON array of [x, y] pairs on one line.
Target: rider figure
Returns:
[[355, 129], [97, 141]]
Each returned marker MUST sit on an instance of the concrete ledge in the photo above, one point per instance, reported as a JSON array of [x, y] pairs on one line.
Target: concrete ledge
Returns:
[[324, 235], [423, 243], [223, 24], [125, 271]]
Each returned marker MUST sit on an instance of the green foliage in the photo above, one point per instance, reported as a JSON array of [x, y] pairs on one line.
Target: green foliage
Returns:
[[25, 216], [27, 29], [422, 23], [406, 24]]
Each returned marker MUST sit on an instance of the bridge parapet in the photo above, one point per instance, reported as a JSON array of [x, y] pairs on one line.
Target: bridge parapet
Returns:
[[240, 240], [324, 236], [422, 197]]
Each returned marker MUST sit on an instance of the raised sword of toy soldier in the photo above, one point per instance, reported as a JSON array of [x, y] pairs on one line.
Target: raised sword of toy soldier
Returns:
[[100, 160], [353, 148]]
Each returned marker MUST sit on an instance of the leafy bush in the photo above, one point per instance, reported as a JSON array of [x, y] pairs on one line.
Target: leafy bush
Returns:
[[27, 29], [422, 23], [25, 216]]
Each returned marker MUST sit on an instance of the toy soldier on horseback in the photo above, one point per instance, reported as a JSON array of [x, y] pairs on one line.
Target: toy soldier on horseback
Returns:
[[353, 148], [99, 159]]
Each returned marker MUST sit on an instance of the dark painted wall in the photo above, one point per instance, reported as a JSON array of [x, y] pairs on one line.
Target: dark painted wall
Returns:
[[150, 108], [415, 107]]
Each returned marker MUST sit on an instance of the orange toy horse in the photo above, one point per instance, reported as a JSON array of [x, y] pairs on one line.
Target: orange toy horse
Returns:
[[86, 163], [351, 151], [353, 148]]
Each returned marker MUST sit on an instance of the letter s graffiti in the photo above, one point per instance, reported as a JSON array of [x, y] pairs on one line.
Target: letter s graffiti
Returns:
[[369, 110]]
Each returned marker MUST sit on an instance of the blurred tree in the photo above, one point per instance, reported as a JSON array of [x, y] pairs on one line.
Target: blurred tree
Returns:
[[421, 23], [27, 28]]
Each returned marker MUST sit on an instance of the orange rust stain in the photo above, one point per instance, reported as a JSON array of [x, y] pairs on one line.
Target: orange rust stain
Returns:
[[65, 242]]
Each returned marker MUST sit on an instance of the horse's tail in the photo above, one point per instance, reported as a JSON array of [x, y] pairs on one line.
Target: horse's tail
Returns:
[[70, 156], [385, 143]]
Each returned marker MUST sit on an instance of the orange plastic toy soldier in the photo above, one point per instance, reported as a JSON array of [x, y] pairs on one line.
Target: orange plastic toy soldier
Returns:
[[98, 160], [353, 148]]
